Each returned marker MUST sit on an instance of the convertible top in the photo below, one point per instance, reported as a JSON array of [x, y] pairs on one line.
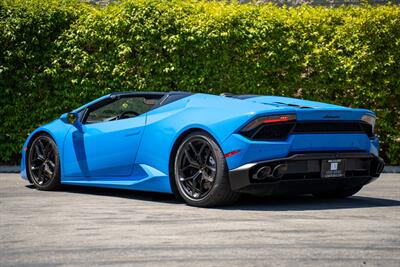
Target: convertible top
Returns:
[[168, 97], [175, 94], [164, 97]]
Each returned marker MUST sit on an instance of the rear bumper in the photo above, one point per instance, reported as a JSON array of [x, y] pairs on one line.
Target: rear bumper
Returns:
[[302, 174]]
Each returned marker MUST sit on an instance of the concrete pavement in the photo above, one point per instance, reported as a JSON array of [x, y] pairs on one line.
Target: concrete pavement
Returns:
[[103, 227]]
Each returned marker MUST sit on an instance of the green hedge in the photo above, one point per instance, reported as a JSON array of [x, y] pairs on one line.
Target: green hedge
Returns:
[[28, 34], [57, 55]]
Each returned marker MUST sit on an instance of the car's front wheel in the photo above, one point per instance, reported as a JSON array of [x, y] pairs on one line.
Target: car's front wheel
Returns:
[[43, 163], [201, 173]]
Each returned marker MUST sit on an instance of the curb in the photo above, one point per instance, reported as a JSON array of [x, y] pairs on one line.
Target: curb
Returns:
[[9, 169], [391, 169], [15, 169]]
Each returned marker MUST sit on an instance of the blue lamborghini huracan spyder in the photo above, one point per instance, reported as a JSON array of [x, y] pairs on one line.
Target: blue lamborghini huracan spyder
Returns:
[[205, 148]]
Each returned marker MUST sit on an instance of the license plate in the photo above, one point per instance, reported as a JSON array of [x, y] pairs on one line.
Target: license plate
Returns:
[[333, 168]]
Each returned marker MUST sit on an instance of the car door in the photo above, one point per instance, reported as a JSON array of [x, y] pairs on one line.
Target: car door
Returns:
[[107, 143]]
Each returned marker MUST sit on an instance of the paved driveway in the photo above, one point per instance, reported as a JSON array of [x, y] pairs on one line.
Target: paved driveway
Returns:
[[97, 227]]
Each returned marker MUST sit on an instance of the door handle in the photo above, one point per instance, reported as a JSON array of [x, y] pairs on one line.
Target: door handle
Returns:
[[133, 133]]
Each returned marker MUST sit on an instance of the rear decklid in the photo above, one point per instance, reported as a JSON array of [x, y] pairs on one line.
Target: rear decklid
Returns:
[[310, 110], [280, 101]]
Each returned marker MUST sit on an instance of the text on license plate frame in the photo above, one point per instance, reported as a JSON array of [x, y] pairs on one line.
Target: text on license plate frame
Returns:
[[333, 168]]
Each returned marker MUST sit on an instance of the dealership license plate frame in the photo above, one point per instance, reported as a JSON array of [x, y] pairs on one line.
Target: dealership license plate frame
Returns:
[[333, 168]]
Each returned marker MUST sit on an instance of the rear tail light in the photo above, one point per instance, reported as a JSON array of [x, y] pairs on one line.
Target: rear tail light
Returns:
[[279, 127], [268, 119], [370, 119]]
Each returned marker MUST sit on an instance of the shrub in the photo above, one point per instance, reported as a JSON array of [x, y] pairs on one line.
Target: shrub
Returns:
[[72, 53], [28, 30]]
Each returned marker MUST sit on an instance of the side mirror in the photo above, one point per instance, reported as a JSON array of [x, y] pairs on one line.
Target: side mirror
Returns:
[[72, 118]]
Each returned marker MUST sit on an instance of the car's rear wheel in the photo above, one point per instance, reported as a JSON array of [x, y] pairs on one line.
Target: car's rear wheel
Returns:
[[201, 173], [338, 193], [43, 163]]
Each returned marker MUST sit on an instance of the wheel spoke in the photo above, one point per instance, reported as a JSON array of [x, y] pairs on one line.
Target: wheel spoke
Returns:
[[42, 149], [200, 152], [48, 172], [36, 163], [189, 166], [34, 168], [193, 177], [208, 154], [192, 148], [211, 168], [47, 150], [39, 152], [191, 161], [51, 163], [194, 190], [40, 175]]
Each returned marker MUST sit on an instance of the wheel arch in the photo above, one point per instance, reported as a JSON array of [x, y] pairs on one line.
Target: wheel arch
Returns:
[[28, 146], [174, 149]]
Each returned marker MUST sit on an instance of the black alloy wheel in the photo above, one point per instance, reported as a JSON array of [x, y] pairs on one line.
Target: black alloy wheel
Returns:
[[197, 168], [201, 173], [43, 163]]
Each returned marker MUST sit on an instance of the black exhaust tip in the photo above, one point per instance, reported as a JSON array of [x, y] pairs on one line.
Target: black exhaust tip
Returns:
[[280, 170], [262, 173]]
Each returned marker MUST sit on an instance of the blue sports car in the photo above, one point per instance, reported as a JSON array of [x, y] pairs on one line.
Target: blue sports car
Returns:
[[207, 149]]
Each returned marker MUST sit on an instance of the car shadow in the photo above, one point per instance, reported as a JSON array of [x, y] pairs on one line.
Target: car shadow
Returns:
[[118, 193], [246, 202], [123, 193], [308, 202]]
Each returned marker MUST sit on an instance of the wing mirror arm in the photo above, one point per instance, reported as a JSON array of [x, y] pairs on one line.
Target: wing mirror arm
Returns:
[[72, 118]]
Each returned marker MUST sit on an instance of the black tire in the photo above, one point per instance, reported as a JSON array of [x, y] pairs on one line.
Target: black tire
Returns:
[[201, 173], [43, 163], [338, 193]]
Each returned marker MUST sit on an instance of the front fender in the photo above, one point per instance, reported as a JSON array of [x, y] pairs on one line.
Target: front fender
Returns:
[[57, 129]]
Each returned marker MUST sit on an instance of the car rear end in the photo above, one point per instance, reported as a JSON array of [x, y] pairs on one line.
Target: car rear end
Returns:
[[303, 149]]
